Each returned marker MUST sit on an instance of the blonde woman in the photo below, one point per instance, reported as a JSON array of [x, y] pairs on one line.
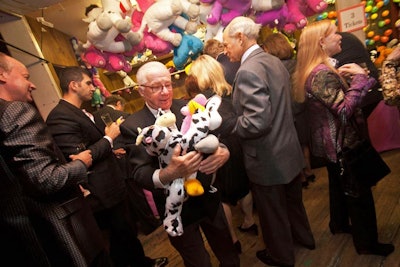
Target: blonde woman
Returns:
[[330, 93], [207, 77]]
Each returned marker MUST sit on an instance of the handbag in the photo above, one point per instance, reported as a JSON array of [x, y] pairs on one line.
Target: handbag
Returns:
[[361, 166], [390, 81]]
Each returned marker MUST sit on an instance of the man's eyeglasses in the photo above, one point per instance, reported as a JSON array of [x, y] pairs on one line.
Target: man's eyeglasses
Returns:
[[158, 88]]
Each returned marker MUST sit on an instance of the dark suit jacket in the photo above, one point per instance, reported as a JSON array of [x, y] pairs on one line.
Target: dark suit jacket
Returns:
[[143, 167], [62, 219], [261, 97], [73, 130]]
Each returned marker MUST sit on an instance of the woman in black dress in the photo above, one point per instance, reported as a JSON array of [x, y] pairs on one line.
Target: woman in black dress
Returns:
[[207, 77]]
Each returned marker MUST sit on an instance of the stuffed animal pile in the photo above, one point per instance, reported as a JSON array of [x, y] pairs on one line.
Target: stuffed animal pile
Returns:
[[160, 140], [120, 30]]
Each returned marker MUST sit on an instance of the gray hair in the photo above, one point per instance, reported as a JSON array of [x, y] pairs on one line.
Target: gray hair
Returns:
[[244, 25], [150, 67]]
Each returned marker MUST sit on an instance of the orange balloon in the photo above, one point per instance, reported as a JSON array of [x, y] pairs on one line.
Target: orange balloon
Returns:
[[376, 38], [387, 21], [385, 13], [388, 32], [384, 39], [332, 14]]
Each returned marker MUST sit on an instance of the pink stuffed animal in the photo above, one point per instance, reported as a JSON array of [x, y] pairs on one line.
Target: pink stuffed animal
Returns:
[[224, 11], [274, 18], [149, 41], [299, 10]]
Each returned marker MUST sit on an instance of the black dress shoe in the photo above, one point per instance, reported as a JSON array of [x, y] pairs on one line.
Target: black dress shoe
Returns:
[[339, 230], [238, 247], [160, 262], [263, 256], [252, 229], [378, 249]]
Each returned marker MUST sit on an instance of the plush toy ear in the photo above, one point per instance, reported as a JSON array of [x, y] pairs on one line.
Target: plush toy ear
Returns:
[[213, 105]]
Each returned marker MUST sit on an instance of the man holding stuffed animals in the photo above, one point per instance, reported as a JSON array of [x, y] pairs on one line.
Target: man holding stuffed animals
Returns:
[[203, 211]]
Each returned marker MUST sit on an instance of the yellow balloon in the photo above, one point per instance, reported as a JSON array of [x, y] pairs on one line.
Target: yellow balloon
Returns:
[[374, 16], [370, 34]]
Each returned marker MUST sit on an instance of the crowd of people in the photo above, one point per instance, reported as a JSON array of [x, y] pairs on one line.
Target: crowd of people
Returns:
[[75, 186]]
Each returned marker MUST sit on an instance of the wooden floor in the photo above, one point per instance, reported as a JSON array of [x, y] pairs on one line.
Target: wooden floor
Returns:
[[331, 251]]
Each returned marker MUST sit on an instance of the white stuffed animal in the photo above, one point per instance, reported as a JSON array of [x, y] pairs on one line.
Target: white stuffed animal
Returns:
[[104, 27], [161, 138], [164, 13]]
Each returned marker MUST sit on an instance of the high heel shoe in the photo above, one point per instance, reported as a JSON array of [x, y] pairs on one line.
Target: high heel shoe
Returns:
[[238, 247], [252, 229]]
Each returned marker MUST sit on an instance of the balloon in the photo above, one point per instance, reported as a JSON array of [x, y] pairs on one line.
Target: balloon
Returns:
[[370, 34], [385, 13], [379, 4], [369, 42], [384, 39], [377, 38], [381, 23], [387, 21], [388, 32], [374, 16], [332, 14], [368, 9]]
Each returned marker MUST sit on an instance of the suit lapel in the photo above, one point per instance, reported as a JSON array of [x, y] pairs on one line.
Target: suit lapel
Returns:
[[78, 112]]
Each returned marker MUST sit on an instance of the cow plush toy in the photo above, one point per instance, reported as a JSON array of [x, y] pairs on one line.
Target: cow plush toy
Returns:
[[160, 140]]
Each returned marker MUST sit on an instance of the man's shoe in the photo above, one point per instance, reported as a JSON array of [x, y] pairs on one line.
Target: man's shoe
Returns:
[[339, 230], [263, 256], [160, 262], [378, 249]]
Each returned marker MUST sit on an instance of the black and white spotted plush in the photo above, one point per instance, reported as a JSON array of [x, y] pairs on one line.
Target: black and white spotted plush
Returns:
[[160, 140]]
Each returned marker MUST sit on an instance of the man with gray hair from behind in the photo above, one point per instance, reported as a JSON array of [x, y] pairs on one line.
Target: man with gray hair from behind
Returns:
[[271, 150]]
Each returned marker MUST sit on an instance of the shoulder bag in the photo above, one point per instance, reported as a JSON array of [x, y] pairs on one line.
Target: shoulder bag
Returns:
[[361, 165]]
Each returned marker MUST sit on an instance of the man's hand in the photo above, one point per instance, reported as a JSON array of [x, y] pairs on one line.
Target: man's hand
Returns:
[[180, 166], [215, 161], [119, 152], [112, 131], [84, 191], [84, 156]]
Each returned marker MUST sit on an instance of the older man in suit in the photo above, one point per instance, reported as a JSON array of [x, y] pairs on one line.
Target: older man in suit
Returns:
[[203, 211], [73, 129], [272, 152], [44, 219]]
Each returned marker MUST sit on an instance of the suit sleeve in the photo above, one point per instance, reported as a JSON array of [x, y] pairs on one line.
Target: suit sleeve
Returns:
[[255, 100], [141, 163], [31, 152], [72, 137]]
